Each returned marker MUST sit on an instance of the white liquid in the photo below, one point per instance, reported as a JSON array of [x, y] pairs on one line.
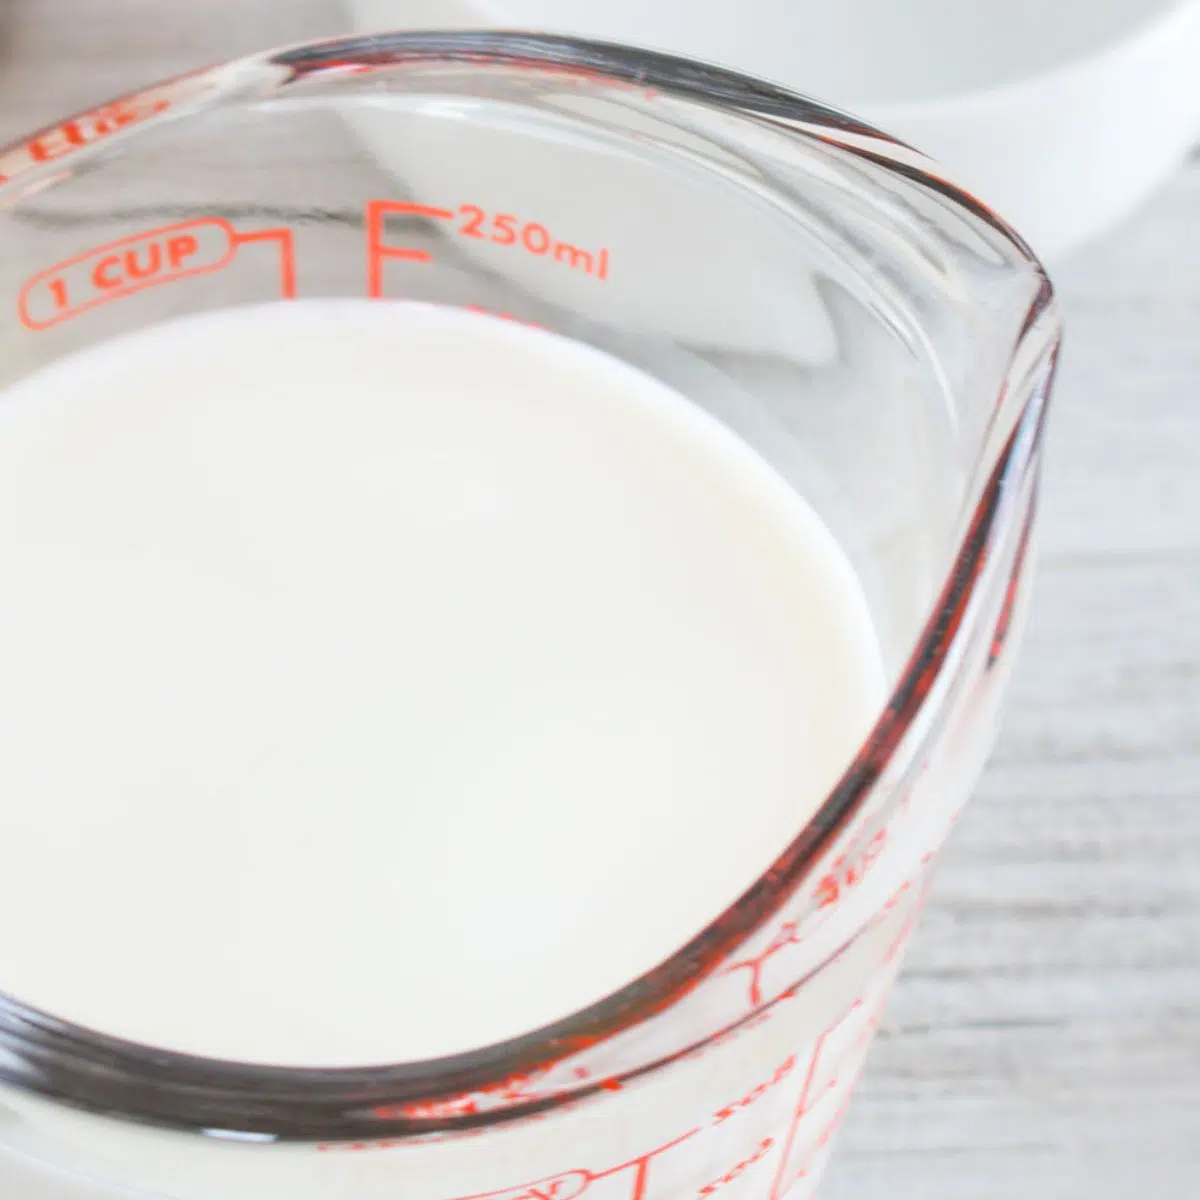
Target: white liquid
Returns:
[[381, 681]]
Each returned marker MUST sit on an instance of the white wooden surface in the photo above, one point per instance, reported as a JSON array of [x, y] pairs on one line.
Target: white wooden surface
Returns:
[[1044, 1043]]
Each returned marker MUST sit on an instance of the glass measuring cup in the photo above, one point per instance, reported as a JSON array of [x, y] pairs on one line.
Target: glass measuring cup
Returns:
[[879, 337]]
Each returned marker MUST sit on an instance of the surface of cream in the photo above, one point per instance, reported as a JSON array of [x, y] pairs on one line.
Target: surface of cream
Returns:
[[382, 680]]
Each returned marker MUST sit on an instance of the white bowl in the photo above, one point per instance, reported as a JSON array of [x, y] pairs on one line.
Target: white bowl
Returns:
[[1062, 114]]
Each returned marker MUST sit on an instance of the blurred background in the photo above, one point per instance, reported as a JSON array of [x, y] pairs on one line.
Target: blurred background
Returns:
[[1044, 1040]]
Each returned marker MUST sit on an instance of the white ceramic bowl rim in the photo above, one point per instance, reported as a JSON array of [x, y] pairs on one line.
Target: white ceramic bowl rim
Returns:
[[1113, 29], [1152, 31]]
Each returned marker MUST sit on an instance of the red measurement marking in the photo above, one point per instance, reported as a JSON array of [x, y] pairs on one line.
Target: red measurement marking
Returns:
[[378, 252], [799, 1157], [123, 267], [846, 873], [432, 1110], [739, 1169], [88, 128], [516, 1090], [842, 1045], [143, 260], [848, 870], [788, 935], [910, 925], [59, 141], [567, 1185], [505, 229], [831, 1126], [791, 933], [789, 1172], [845, 1044], [469, 220], [286, 242], [784, 1069]]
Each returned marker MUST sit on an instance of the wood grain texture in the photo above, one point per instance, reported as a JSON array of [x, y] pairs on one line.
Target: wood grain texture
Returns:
[[1044, 1042]]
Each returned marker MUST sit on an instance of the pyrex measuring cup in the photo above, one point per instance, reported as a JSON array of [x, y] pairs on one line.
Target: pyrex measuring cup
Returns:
[[878, 336]]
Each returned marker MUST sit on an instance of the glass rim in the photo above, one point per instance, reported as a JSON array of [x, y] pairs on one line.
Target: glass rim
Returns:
[[89, 1070]]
